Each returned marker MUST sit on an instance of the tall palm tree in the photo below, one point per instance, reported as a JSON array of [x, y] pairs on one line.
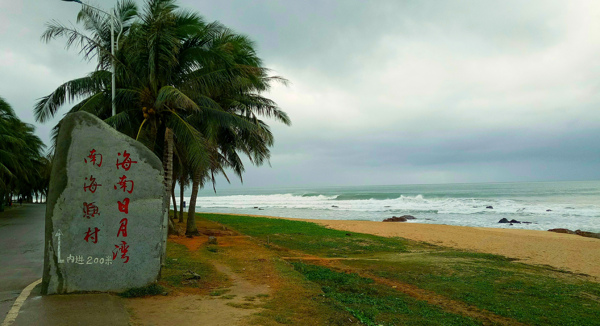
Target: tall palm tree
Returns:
[[174, 71]]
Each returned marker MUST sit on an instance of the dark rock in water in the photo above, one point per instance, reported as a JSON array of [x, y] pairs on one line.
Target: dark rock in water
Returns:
[[567, 231], [489, 207], [255, 206], [395, 219], [261, 209], [548, 210], [212, 240], [402, 218], [588, 234], [334, 206], [515, 221], [504, 220]]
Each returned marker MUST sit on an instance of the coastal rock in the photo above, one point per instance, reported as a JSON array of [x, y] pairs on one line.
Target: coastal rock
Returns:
[[504, 220], [402, 218], [548, 210], [514, 222], [395, 219], [567, 231], [489, 207], [588, 234]]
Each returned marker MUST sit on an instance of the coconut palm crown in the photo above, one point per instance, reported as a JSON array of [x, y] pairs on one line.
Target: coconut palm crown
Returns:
[[179, 80]]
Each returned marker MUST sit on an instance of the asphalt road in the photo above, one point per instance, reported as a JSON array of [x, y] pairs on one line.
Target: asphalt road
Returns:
[[21, 251], [22, 262]]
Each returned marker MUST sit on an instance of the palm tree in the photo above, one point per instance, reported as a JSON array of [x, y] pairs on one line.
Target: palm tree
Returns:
[[21, 162], [173, 72]]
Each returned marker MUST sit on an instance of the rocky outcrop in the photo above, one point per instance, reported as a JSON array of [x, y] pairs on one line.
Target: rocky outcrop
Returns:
[[567, 231], [402, 218], [577, 232], [587, 234]]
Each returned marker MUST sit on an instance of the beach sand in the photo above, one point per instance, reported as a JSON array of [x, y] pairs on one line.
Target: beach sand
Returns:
[[563, 251], [567, 252]]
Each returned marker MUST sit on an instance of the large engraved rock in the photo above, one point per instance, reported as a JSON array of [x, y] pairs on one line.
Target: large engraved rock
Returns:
[[106, 213]]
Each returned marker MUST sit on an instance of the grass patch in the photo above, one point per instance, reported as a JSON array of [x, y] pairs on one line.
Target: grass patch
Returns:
[[374, 304], [308, 237], [180, 262], [243, 305], [144, 291], [529, 294], [228, 296]]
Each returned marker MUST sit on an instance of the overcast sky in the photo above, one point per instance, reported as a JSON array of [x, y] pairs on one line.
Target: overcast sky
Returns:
[[385, 92]]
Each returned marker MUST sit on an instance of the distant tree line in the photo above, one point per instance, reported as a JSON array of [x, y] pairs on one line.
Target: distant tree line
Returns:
[[24, 170], [190, 90]]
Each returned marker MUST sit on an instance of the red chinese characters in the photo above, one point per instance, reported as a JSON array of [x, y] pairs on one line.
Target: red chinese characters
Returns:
[[92, 158], [123, 228], [92, 186], [124, 206], [122, 249], [124, 184], [91, 206], [126, 162], [91, 235], [90, 210]]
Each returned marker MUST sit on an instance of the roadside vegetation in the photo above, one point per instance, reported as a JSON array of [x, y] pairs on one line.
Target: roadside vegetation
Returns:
[[24, 171], [320, 276]]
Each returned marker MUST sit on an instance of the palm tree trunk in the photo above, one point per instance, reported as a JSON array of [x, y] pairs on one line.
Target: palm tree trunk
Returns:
[[174, 201], [191, 220], [168, 167], [181, 189]]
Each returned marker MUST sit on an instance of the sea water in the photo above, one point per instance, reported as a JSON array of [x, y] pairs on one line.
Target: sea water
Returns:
[[544, 205]]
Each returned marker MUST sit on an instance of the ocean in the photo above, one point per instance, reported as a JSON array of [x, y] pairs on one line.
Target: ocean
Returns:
[[545, 205]]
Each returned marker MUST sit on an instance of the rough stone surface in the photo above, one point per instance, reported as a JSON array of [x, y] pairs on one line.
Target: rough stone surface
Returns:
[[127, 207]]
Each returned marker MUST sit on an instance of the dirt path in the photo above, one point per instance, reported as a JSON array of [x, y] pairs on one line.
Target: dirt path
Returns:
[[235, 304]]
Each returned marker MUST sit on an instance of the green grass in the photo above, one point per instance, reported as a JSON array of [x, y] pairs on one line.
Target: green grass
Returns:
[[529, 294], [375, 304], [534, 295], [152, 289], [309, 237], [180, 261]]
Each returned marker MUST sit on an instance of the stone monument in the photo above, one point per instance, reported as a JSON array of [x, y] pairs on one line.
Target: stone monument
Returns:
[[106, 214]]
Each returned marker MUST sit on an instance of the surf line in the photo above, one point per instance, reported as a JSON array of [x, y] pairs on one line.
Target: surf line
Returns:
[[14, 311]]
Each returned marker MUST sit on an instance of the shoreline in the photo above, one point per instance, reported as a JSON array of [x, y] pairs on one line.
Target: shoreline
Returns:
[[567, 252]]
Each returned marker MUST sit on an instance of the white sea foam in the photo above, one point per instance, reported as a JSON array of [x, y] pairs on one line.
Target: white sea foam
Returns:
[[544, 212]]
